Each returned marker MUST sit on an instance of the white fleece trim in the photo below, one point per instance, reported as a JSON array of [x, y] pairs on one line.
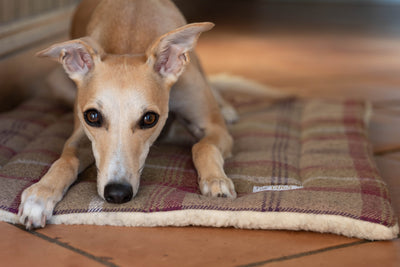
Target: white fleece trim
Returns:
[[10, 217], [239, 219]]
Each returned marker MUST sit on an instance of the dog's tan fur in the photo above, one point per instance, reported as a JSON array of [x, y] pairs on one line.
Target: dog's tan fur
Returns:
[[131, 57]]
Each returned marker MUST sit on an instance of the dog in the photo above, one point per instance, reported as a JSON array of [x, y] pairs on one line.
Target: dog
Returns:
[[133, 64]]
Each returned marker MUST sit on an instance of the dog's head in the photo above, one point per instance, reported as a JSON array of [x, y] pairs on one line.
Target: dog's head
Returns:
[[122, 101]]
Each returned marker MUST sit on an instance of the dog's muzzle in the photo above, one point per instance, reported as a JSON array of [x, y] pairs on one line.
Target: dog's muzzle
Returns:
[[118, 193]]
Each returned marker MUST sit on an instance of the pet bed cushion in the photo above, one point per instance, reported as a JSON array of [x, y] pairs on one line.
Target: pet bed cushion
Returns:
[[296, 165]]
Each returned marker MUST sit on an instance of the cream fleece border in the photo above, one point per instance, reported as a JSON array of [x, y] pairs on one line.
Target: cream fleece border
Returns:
[[239, 219]]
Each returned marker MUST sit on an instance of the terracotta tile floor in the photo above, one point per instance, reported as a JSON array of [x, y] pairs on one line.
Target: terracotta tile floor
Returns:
[[311, 64]]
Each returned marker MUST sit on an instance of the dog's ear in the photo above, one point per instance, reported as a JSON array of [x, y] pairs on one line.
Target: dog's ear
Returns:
[[168, 55], [78, 56]]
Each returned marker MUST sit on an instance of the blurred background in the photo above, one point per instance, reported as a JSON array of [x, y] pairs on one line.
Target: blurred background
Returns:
[[326, 48]]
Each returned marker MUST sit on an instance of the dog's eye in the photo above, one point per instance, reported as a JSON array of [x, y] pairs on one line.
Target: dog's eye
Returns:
[[93, 118], [149, 120]]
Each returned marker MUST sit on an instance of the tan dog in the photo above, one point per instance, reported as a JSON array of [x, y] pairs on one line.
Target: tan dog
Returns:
[[131, 67]]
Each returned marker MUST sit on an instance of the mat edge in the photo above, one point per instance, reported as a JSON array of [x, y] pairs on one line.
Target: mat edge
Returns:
[[239, 219]]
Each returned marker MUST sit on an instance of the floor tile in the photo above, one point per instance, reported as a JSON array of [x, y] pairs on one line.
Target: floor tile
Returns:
[[368, 254], [394, 156], [308, 66], [384, 131], [21, 248], [189, 246]]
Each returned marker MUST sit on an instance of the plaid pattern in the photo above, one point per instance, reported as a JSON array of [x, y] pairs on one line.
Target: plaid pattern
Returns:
[[319, 149]]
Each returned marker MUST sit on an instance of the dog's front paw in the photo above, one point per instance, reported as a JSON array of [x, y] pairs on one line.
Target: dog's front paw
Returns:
[[218, 187], [37, 204]]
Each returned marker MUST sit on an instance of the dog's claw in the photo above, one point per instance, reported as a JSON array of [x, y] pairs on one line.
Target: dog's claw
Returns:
[[20, 211], [28, 224], [43, 224]]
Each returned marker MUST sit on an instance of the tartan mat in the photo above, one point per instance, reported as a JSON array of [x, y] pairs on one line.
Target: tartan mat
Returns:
[[296, 165]]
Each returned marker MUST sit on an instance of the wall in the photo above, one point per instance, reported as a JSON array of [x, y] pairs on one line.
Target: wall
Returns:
[[26, 27]]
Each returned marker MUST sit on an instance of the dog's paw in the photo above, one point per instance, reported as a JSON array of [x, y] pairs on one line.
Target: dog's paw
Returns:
[[37, 204], [229, 113], [218, 187]]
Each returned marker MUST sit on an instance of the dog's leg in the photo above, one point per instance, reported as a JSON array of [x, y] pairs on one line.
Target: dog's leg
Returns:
[[39, 200], [199, 111], [208, 157]]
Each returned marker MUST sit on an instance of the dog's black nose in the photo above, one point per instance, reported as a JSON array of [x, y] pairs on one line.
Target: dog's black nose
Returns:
[[118, 193]]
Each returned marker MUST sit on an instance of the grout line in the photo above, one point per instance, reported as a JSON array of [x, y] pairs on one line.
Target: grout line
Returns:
[[384, 152], [383, 104], [387, 111], [67, 246], [304, 254]]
